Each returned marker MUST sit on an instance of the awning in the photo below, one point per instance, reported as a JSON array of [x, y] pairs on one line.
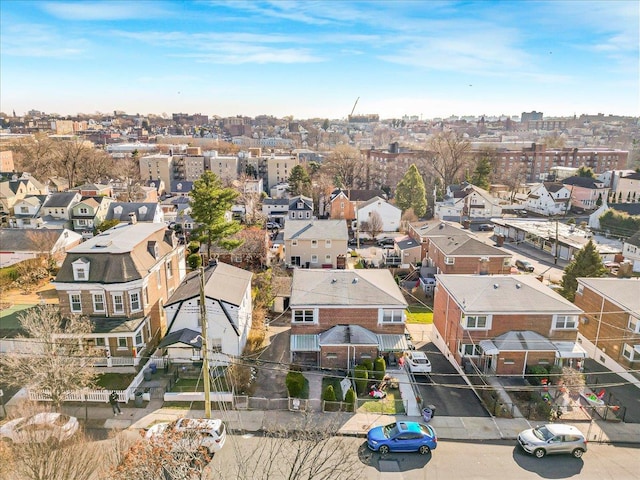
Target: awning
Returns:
[[488, 347], [392, 343], [570, 350], [304, 343]]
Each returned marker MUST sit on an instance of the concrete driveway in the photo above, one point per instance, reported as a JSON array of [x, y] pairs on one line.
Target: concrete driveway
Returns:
[[272, 365]]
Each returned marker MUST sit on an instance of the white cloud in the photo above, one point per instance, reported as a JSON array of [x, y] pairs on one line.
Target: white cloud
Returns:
[[34, 40], [98, 11]]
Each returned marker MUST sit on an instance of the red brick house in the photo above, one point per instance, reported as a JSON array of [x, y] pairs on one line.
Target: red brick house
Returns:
[[463, 254], [504, 323], [340, 317], [610, 326]]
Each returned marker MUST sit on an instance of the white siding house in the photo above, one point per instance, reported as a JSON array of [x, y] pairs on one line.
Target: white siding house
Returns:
[[390, 214]]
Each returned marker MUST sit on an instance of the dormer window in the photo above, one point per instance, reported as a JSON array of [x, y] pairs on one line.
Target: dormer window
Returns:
[[80, 270]]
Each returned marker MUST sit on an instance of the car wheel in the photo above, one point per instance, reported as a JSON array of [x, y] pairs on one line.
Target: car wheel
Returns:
[[539, 452], [424, 450], [383, 449], [577, 453]]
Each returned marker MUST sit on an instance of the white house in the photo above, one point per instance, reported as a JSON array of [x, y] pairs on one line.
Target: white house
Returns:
[[631, 251], [548, 198], [469, 201], [390, 214], [228, 303]]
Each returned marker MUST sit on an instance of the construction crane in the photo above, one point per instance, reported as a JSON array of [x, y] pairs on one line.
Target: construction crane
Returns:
[[354, 107]]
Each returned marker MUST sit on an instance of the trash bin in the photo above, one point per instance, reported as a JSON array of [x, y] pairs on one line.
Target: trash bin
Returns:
[[433, 410], [153, 367], [147, 374], [137, 399], [427, 414]]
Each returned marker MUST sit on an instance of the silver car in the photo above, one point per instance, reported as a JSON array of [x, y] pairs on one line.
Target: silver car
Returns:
[[553, 438]]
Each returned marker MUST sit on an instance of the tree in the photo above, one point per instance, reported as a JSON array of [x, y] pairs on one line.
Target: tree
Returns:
[[447, 156], [310, 449], [35, 155], [299, 181], [210, 202], [373, 226], [411, 192], [59, 363], [585, 172], [482, 173], [345, 167], [70, 156], [587, 263]]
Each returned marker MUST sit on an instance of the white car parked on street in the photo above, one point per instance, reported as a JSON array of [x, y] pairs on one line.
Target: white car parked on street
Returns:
[[40, 428], [192, 433], [418, 362]]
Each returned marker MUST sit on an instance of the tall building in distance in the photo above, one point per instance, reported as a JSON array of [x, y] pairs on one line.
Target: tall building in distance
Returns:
[[530, 117]]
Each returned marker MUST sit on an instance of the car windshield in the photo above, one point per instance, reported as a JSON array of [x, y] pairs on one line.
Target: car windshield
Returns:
[[390, 430], [427, 430], [542, 433]]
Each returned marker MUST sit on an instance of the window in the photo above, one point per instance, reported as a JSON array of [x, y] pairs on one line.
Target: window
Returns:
[[134, 301], [84, 211], [327, 244], [169, 269], [634, 324], [314, 243], [327, 258], [75, 302], [294, 243], [580, 289], [98, 302], [449, 260], [216, 345], [392, 316], [145, 295], [122, 343], [566, 322], [159, 278], [139, 341], [475, 322], [100, 342], [118, 303], [295, 261], [470, 350], [303, 316], [314, 258], [80, 270], [24, 209], [628, 352]]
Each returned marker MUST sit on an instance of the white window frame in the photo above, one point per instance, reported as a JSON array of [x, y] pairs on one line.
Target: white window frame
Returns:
[[95, 302], [564, 319], [327, 244], [80, 270], [314, 258], [115, 295], [169, 268], [72, 302], [139, 344], [119, 341], [449, 261], [327, 258], [159, 278], [294, 243], [580, 289], [132, 295], [629, 352], [314, 243], [634, 324], [475, 349], [391, 316], [467, 325], [304, 316]]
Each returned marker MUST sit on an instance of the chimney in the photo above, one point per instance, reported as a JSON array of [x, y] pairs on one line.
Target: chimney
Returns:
[[132, 219]]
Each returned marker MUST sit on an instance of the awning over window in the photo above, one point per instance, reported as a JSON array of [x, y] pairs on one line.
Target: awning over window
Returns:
[[488, 347], [392, 343], [304, 343], [570, 350]]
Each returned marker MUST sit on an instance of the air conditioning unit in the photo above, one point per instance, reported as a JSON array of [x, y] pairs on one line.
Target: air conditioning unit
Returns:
[[584, 320]]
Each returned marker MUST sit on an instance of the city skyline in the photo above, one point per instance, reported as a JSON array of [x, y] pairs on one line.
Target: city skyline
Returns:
[[314, 59]]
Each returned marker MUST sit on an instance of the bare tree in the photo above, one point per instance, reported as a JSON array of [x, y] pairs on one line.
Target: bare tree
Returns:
[[309, 450], [54, 459], [373, 225], [514, 178], [447, 155], [99, 165], [345, 167], [70, 156], [59, 364], [35, 155], [249, 198]]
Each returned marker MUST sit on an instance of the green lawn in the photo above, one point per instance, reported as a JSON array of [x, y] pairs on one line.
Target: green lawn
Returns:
[[114, 381], [390, 405], [419, 314], [9, 318]]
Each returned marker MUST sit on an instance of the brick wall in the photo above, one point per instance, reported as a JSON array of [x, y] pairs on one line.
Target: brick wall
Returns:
[[364, 317]]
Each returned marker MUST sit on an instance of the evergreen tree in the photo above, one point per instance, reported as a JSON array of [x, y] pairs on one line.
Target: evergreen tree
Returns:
[[587, 263], [210, 202], [482, 174], [411, 193], [585, 172], [299, 181], [599, 200]]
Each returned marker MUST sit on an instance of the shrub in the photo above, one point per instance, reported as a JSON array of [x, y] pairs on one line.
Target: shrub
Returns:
[[536, 373], [379, 368], [194, 260], [361, 376], [329, 395], [350, 397], [555, 372], [368, 364], [194, 247], [295, 383]]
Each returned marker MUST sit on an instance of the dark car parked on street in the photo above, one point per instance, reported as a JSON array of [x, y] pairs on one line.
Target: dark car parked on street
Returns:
[[485, 227], [524, 265]]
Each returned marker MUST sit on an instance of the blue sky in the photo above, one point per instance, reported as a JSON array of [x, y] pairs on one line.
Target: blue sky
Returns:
[[315, 58]]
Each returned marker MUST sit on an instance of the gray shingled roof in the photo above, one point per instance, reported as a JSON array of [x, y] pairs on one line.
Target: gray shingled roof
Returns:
[[504, 294], [316, 230], [464, 245], [345, 288], [348, 335], [62, 199], [187, 336], [145, 211]]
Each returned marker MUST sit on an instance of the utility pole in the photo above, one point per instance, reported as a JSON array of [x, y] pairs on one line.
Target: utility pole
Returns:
[[555, 257], [205, 350]]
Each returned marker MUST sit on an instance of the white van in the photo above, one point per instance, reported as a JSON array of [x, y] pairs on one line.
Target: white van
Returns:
[[418, 362], [192, 433]]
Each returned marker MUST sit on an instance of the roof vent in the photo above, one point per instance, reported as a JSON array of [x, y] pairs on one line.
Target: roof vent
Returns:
[[496, 285], [518, 285], [334, 280], [354, 281]]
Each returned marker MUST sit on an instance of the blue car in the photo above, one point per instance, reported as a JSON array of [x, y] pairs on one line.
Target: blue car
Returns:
[[402, 437]]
